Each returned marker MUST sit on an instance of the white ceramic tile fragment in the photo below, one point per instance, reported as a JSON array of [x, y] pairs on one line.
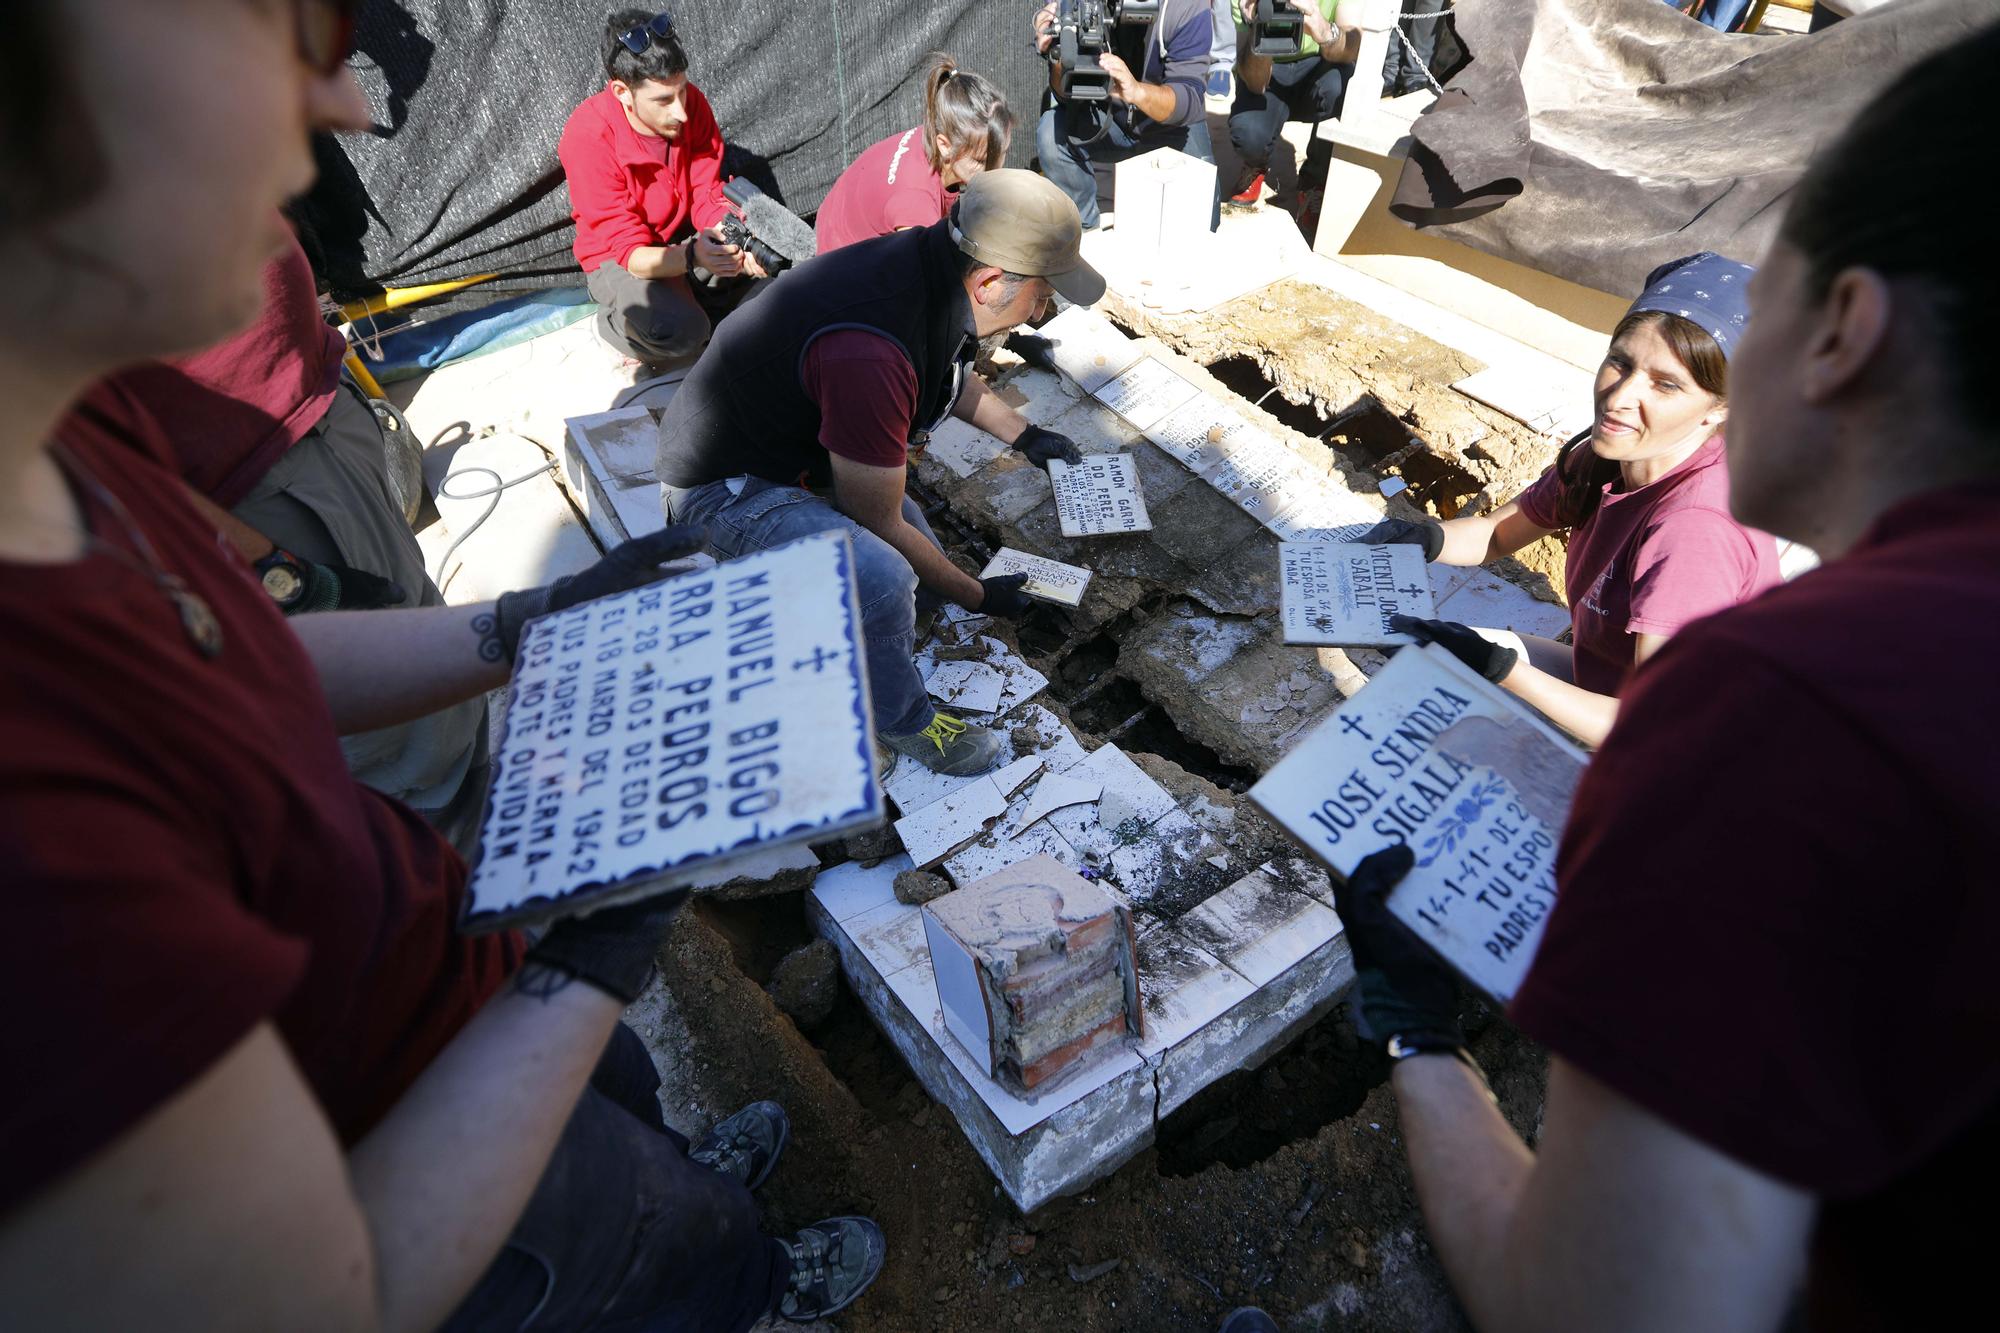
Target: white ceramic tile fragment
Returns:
[[849, 889], [1556, 404], [1199, 432], [892, 935], [1146, 393], [1182, 985], [1052, 793], [1049, 580], [997, 849], [961, 447], [971, 686], [1099, 497], [1259, 927], [1087, 347], [1345, 594], [942, 827], [1012, 777]]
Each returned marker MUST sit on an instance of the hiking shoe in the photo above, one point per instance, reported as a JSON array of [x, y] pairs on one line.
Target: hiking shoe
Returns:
[[1249, 190], [951, 746], [1249, 1319], [746, 1146], [832, 1264]]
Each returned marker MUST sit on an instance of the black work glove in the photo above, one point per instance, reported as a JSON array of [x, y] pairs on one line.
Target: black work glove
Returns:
[[1401, 989], [1004, 596], [1042, 445], [1427, 533], [1489, 659], [612, 949], [631, 565]]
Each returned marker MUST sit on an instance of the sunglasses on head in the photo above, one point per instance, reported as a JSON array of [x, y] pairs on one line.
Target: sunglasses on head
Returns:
[[638, 39], [326, 32]]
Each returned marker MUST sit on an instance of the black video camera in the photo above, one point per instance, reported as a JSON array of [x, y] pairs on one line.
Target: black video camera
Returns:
[[1279, 30], [776, 236], [1082, 34]]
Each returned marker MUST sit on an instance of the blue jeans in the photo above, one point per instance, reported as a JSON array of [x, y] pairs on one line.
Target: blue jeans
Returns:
[[624, 1232], [1082, 170], [767, 514], [1299, 90]]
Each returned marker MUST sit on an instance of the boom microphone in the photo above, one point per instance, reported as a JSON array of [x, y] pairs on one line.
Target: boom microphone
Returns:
[[777, 227]]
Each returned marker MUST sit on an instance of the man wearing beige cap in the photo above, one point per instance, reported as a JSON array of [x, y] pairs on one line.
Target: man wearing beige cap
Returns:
[[798, 418]]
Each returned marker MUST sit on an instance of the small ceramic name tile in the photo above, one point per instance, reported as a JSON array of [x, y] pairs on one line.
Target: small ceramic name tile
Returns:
[[1200, 432], [1050, 580], [1146, 393], [1087, 347], [1343, 593], [1100, 496], [1325, 511], [602, 792]]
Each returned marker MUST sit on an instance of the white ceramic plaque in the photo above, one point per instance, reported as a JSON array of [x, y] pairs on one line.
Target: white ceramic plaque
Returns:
[[1087, 347], [653, 734], [1100, 496], [1344, 593], [1146, 393], [1050, 580], [1430, 756], [1199, 432]]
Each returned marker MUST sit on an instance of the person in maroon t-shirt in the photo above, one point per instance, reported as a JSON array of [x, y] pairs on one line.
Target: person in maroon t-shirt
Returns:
[[643, 158], [1644, 497], [909, 179], [257, 1076], [1766, 984]]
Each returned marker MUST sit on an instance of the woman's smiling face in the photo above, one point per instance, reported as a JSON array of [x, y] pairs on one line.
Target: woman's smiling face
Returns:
[[1648, 403]]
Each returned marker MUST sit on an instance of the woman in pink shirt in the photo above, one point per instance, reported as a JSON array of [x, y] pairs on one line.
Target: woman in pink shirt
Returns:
[[909, 179], [1644, 497]]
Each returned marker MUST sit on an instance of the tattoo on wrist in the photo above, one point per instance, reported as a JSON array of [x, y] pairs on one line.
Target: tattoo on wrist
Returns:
[[541, 981], [487, 626]]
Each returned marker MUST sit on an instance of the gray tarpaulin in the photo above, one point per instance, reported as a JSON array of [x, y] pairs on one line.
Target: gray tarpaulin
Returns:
[[1596, 139], [460, 174]]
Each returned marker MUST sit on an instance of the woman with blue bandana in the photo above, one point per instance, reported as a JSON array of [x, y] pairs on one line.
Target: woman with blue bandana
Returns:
[[1644, 497]]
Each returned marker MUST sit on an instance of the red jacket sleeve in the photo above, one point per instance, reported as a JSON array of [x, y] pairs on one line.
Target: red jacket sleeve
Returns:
[[609, 224], [702, 142]]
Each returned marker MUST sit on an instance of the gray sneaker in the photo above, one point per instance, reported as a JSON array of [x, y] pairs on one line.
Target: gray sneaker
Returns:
[[746, 1146], [832, 1264], [952, 746]]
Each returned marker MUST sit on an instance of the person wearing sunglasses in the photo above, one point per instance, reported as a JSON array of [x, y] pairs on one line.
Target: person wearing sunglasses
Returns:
[[257, 1077], [643, 157]]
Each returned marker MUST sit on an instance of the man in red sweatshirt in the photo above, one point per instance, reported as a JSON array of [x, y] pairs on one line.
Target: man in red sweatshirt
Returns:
[[644, 162]]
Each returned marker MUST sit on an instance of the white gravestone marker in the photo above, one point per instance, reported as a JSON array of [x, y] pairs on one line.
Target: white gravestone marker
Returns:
[[1429, 755], [1087, 347], [1100, 496], [654, 733], [1146, 394], [1050, 580], [1343, 593]]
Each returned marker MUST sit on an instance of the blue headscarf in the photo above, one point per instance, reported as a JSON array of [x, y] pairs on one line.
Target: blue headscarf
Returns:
[[1706, 289]]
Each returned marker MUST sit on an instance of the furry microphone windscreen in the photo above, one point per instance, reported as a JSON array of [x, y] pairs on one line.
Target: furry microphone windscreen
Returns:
[[772, 223]]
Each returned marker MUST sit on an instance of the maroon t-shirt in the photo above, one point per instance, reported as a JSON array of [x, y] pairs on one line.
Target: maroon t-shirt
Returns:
[[1651, 560], [1780, 913], [889, 187], [185, 854], [867, 395], [239, 405]]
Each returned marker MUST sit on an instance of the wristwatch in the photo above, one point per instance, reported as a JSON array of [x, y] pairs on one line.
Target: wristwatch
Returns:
[[283, 577]]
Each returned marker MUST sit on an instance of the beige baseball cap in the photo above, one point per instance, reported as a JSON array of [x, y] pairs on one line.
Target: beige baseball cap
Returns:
[[1021, 222]]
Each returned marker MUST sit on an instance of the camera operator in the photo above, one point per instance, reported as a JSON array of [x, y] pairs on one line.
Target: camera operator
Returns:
[[1305, 85], [644, 162], [1157, 74]]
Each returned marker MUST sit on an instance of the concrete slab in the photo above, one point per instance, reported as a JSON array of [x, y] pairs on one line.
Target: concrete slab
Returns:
[[531, 537]]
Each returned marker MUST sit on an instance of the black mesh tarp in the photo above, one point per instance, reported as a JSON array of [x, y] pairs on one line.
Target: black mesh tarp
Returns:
[[460, 174]]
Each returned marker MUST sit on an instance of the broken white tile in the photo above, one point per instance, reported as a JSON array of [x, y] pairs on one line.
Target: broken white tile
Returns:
[[1146, 392], [953, 613], [849, 889], [1014, 776], [1260, 927], [1182, 985], [1145, 860], [942, 827], [961, 447], [1135, 800], [1050, 580], [997, 849], [891, 936], [1344, 593], [972, 686], [1087, 347], [1053, 792], [1021, 681], [1099, 496], [1031, 730]]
